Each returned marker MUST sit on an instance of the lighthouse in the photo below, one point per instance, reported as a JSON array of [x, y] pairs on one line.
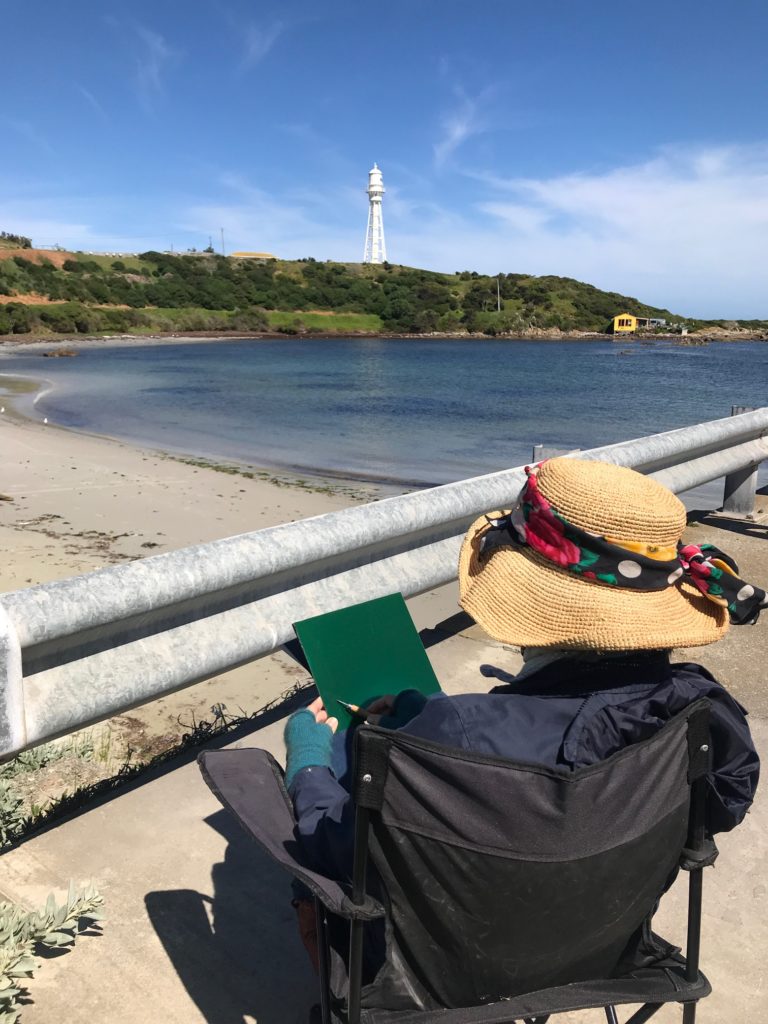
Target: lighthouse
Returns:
[[375, 246]]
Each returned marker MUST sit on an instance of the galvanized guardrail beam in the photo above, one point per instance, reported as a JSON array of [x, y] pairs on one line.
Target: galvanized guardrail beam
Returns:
[[94, 645]]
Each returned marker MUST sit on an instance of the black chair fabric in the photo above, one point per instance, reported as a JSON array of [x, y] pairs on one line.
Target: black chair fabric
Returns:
[[510, 891], [249, 783]]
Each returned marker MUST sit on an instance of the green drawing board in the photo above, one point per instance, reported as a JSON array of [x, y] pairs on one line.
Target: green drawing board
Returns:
[[362, 652]]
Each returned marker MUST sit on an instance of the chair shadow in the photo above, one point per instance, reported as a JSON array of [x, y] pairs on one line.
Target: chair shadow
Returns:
[[237, 953]]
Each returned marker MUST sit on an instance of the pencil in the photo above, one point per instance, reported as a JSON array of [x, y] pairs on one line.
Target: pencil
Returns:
[[353, 709]]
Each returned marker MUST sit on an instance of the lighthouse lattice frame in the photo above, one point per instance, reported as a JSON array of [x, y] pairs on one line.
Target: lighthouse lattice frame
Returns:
[[375, 246]]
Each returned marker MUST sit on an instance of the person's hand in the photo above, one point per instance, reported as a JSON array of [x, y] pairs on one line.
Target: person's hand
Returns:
[[392, 711], [382, 705], [321, 715]]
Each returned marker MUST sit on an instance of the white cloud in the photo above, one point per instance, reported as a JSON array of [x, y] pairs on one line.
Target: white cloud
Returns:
[[27, 131], [259, 41], [153, 58], [291, 227], [458, 125], [686, 229], [92, 101], [50, 216]]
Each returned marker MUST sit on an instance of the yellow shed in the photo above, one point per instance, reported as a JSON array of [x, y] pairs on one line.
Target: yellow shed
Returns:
[[624, 323]]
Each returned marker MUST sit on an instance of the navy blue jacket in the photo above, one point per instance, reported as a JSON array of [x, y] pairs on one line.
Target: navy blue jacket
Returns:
[[569, 714]]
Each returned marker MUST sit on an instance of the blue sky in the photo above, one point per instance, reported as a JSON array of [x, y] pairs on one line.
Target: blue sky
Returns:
[[623, 143]]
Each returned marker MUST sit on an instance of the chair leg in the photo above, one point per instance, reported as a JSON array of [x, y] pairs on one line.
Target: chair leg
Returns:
[[689, 1013], [644, 1013], [324, 964], [610, 1015]]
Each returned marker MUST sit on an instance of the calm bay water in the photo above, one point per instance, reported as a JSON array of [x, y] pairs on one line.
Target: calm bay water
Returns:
[[410, 411]]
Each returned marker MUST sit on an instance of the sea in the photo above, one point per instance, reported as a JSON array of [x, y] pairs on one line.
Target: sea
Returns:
[[403, 413]]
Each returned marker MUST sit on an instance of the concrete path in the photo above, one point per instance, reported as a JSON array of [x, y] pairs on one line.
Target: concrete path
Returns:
[[200, 929]]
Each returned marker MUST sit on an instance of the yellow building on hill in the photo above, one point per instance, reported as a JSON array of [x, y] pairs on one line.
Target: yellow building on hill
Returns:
[[252, 256], [627, 323]]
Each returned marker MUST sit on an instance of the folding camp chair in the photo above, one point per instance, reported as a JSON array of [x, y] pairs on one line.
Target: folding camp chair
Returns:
[[502, 891]]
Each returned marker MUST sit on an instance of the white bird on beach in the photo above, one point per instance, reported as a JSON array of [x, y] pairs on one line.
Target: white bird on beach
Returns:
[[45, 419]]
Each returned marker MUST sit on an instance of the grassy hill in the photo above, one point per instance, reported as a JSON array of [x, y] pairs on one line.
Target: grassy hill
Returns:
[[70, 293]]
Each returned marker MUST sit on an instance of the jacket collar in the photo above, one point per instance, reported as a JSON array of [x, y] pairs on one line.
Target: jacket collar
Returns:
[[573, 675]]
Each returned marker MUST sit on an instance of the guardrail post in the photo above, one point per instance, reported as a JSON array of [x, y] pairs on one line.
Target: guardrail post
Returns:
[[740, 487], [547, 451], [12, 724]]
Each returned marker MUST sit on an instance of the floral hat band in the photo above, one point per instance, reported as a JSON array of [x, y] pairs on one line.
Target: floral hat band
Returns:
[[627, 564]]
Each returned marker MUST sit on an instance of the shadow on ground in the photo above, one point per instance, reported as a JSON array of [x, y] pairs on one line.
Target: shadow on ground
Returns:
[[237, 954], [746, 528]]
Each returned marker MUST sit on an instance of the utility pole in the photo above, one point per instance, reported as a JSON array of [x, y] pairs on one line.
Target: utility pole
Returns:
[[223, 250]]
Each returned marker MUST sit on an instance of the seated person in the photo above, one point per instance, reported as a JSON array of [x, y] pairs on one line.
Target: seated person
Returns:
[[588, 575]]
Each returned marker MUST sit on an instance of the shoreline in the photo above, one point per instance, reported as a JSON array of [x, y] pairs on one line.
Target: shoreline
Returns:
[[15, 342], [323, 480], [357, 487]]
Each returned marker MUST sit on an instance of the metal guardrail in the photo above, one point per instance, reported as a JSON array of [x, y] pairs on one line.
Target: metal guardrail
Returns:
[[79, 650]]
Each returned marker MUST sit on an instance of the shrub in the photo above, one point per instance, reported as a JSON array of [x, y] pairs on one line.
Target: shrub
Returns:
[[20, 318], [21, 240], [250, 320], [24, 932], [59, 320]]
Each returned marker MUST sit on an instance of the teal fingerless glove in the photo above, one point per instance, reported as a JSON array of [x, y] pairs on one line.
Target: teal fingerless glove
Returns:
[[308, 744], [408, 704]]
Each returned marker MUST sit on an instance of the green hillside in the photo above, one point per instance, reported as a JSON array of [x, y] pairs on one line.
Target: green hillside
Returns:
[[74, 293]]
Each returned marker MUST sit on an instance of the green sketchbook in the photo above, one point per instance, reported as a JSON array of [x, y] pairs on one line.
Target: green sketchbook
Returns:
[[362, 652]]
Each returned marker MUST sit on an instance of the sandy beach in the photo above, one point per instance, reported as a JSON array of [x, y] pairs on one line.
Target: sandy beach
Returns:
[[71, 503]]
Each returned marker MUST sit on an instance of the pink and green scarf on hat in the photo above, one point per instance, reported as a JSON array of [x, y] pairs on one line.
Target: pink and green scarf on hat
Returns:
[[535, 523]]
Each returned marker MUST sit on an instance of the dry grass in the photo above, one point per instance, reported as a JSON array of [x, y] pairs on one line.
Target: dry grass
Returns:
[[53, 256]]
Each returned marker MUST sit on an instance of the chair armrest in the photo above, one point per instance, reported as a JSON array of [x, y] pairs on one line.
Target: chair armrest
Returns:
[[249, 784]]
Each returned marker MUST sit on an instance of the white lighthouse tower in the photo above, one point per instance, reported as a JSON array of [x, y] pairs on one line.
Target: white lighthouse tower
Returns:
[[375, 246]]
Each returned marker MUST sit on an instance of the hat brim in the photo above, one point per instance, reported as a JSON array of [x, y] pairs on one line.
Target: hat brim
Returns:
[[520, 598]]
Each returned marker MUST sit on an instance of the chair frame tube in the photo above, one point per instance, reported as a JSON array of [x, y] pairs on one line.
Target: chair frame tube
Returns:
[[359, 868], [696, 838], [323, 961]]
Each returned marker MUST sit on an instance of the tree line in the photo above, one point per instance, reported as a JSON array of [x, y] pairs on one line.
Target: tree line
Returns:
[[406, 300], [18, 240]]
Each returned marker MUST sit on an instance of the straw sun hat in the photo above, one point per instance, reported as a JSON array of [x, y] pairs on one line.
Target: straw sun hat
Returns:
[[590, 559]]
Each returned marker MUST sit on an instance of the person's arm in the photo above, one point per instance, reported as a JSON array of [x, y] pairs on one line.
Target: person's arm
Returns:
[[325, 815], [735, 765], [324, 809], [735, 770]]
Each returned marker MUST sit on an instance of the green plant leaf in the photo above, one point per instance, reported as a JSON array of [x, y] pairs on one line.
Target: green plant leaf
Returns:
[[57, 939]]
